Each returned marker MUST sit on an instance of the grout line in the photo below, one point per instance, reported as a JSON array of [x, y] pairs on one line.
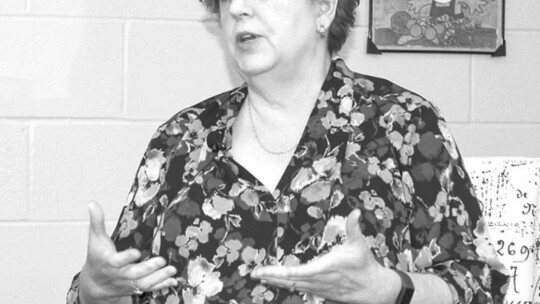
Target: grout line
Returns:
[[81, 120], [187, 17], [471, 88], [125, 32], [30, 173], [54, 222], [494, 123], [512, 30]]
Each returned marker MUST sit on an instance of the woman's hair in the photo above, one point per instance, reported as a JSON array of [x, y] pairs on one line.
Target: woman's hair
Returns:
[[338, 31]]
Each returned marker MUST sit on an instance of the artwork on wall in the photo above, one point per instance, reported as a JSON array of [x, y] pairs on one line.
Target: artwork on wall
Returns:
[[508, 189], [447, 26]]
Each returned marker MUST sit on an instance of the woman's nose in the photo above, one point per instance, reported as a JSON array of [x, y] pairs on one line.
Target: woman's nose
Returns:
[[239, 8]]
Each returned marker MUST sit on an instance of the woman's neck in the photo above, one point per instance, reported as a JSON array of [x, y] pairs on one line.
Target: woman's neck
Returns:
[[290, 90], [273, 119]]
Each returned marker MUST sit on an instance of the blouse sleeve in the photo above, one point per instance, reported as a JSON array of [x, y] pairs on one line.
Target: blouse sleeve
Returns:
[[142, 214], [448, 234]]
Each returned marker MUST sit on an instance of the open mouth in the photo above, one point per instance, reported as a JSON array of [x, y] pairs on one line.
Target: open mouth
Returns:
[[245, 37]]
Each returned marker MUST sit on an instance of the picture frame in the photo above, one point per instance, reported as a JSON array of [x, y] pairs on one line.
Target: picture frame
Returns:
[[437, 26]]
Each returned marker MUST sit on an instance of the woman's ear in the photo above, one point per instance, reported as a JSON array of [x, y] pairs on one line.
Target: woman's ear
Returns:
[[327, 12]]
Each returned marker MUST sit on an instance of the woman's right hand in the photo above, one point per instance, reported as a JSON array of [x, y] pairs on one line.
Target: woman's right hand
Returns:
[[109, 276]]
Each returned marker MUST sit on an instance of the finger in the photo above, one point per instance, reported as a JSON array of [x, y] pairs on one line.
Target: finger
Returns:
[[124, 258], [283, 283], [314, 288], [314, 267], [142, 269], [157, 279], [288, 283], [169, 283], [353, 230], [97, 220], [100, 245]]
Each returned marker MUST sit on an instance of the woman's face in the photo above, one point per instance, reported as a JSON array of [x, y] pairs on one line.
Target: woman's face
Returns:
[[268, 35]]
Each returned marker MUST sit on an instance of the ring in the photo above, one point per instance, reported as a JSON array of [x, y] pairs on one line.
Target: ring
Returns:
[[292, 288], [137, 291]]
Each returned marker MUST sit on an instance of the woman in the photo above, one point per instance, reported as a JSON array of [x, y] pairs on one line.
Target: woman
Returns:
[[288, 191]]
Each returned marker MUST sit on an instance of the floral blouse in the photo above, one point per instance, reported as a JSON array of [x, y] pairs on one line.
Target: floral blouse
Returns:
[[368, 144]]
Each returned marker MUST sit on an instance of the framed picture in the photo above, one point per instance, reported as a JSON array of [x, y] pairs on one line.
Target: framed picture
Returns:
[[442, 26]]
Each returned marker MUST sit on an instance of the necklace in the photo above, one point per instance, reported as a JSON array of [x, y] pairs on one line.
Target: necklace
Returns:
[[250, 109]]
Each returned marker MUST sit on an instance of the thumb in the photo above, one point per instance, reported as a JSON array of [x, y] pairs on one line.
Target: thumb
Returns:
[[353, 225], [97, 220]]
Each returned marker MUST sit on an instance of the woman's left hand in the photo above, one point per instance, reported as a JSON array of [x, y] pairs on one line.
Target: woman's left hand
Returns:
[[348, 273]]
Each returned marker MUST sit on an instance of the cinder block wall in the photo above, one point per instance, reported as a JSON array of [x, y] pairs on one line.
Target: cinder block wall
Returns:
[[83, 85]]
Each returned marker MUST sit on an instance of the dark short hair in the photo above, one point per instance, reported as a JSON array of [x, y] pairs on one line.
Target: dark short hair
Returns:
[[338, 31]]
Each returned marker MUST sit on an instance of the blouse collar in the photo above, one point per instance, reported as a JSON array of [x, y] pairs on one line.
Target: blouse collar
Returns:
[[337, 78]]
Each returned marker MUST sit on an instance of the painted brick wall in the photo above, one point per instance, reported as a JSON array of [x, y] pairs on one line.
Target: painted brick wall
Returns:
[[83, 85]]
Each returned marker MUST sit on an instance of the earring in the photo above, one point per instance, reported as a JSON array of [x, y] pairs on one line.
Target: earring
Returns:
[[322, 31]]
